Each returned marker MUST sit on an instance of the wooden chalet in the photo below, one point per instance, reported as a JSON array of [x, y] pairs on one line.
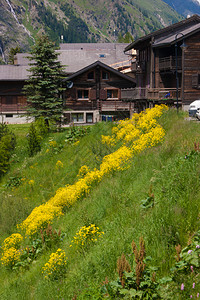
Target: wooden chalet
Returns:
[[96, 94], [165, 71], [12, 100]]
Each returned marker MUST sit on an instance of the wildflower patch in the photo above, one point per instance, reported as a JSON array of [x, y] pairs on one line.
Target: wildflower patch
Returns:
[[135, 135]]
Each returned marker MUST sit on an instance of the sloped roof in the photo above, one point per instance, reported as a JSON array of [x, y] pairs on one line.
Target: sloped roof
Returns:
[[75, 56], [175, 36], [167, 35], [100, 64], [12, 72]]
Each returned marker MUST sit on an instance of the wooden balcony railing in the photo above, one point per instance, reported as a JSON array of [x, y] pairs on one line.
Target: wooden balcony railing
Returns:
[[134, 94], [169, 63], [164, 94], [114, 105], [5, 108], [150, 94]]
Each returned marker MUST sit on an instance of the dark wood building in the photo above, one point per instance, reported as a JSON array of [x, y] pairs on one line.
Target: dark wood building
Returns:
[[12, 100], [96, 94], [167, 71]]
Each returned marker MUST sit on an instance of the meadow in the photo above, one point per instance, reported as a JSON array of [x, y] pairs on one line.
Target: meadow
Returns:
[[97, 201]]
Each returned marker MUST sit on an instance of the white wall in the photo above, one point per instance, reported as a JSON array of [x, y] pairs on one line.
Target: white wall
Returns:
[[14, 119]]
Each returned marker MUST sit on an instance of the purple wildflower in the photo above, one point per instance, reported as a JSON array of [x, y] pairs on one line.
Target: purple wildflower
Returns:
[[191, 267], [197, 295], [189, 251], [193, 286], [197, 246], [182, 287]]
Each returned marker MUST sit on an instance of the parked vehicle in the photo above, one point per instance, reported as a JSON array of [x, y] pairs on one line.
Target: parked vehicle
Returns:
[[198, 114], [193, 108]]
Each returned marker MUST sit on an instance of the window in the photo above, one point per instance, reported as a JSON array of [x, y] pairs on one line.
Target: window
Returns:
[[105, 75], [112, 94], [83, 94], [78, 117], [90, 75], [9, 116], [89, 117], [196, 81], [102, 55]]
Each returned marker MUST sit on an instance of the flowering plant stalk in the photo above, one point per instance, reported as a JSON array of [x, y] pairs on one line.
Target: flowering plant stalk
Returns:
[[86, 235], [56, 266]]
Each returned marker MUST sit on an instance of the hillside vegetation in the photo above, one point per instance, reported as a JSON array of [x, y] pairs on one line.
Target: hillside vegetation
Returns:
[[140, 181], [81, 21]]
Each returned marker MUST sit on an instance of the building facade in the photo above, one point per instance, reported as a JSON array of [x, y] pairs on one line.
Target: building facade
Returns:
[[167, 67]]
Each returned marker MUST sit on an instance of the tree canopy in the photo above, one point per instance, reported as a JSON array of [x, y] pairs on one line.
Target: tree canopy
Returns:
[[44, 86]]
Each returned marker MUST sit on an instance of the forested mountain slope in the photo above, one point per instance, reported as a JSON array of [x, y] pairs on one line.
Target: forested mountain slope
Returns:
[[79, 20]]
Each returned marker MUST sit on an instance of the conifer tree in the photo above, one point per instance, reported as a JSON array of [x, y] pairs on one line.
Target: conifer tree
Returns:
[[44, 86], [34, 145]]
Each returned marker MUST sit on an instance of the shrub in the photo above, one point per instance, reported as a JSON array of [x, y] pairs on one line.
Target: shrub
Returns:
[[7, 145], [34, 139]]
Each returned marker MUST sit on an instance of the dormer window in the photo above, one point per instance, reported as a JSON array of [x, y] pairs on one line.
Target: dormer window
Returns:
[[90, 75]]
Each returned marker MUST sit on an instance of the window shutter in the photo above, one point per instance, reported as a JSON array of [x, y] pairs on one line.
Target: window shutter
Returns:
[[195, 80], [73, 94], [92, 95], [119, 94], [103, 94]]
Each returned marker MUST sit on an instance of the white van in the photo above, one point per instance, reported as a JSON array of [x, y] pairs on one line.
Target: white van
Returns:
[[193, 108]]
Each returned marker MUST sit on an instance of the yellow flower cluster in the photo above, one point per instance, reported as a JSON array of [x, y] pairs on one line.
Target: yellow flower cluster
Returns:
[[10, 257], [11, 252], [13, 241], [56, 266], [137, 134], [40, 217], [83, 171], [31, 182], [86, 235], [76, 143], [52, 144], [59, 164], [131, 129]]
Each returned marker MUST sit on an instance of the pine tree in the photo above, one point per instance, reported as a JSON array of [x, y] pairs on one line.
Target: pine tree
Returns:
[[44, 86], [34, 145]]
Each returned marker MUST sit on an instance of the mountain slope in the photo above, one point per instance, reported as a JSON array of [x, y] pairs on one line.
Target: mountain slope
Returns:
[[187, 7], [80, 20]]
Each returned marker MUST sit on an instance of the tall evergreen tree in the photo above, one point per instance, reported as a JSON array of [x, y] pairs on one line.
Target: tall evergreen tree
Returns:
[[44, 86]]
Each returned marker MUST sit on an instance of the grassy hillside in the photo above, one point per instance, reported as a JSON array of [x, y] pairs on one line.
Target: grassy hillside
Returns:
[[169, 171]]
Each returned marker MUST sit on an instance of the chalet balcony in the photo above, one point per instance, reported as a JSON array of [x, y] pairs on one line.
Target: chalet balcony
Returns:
[[81, 105], [150, 94], [169, 63], [14, 108], [115, 105], [163, 94], [133, 94]]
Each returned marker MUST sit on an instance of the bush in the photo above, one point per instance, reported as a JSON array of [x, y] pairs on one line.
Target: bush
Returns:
[[7, 145], [34, 139]]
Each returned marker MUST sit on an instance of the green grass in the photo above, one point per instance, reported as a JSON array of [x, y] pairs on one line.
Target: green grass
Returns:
[[114, 205]]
